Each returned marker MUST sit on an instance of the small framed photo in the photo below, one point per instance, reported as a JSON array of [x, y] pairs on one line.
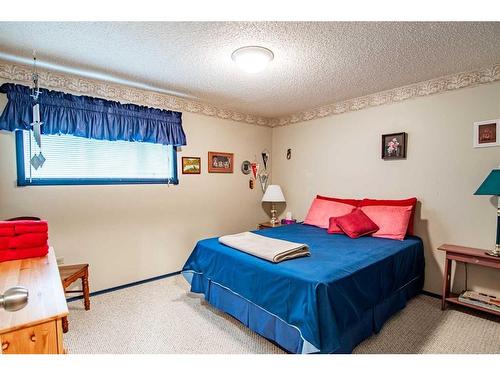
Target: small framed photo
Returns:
[[191, 165], [220, 162], [394, 146], [486, 133]]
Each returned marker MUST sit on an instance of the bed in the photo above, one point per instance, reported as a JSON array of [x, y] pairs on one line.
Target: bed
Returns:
[[326, 303]]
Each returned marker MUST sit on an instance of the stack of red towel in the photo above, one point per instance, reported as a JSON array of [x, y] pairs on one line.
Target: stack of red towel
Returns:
[[23, 239]]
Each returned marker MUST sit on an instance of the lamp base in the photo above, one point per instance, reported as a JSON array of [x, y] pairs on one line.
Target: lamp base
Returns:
[[494, 253], [274, 219]]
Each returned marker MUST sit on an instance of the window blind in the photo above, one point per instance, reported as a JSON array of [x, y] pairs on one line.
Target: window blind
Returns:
[[68, 157]]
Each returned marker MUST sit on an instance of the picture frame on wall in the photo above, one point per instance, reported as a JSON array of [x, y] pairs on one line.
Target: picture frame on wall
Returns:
[[486, 133], [191, 165], [394, 146], [220, 162]]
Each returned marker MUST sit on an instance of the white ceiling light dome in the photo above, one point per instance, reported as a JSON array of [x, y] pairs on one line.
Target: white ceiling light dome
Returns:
[[252, 59]]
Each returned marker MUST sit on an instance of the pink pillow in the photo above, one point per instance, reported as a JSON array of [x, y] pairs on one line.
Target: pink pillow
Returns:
[[394, 202], [392, 220], [356, 224], [322, 210], [354, 202]]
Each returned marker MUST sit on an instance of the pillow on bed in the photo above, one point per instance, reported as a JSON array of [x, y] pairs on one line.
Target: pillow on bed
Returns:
[[391, 220], [322, 210], [394, 202], [333, 228], [355, 224], [352, 202]]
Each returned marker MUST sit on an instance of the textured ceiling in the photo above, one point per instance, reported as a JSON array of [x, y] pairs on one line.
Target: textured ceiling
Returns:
[[315, 63]]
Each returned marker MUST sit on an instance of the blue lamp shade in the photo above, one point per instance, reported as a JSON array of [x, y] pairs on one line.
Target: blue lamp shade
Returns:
[[490, 186]]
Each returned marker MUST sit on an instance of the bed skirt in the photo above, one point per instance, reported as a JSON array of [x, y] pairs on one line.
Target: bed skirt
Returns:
[[288, 336]]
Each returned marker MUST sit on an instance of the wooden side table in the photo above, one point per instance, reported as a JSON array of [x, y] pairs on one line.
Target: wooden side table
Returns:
[[268, 225], [468, 255], [69, 274]]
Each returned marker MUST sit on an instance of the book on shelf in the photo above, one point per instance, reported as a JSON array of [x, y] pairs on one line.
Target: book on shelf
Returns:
[[480, 299]]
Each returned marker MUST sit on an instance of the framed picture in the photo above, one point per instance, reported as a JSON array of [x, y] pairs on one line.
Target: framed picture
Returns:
[[486, 133], [191, 165], [220, 162], [394, 146]]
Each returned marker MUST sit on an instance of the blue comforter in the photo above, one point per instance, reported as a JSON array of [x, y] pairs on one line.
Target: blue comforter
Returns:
[[324, 295]]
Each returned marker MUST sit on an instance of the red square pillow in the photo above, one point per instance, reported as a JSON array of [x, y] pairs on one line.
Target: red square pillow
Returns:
[[356, 224], [391, 220], [352, 202], [333, 228], [322, 210], [394, 202]]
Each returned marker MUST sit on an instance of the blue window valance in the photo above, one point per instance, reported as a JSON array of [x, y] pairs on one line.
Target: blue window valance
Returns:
[[88, 117]]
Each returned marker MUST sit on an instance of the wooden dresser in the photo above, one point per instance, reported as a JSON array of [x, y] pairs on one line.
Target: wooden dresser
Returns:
[[37, 328]]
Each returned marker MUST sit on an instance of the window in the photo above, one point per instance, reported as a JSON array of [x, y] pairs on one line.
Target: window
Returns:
[[80, 161]]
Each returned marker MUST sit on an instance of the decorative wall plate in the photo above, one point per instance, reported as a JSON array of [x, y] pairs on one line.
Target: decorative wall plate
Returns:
[[246, 167]]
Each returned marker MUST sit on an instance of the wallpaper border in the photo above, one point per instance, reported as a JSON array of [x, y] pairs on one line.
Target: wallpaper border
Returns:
[[420, 89], [86, 86]]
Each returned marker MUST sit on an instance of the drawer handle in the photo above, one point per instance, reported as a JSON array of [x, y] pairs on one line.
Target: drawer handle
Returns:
[[33, 338], [5, 345]]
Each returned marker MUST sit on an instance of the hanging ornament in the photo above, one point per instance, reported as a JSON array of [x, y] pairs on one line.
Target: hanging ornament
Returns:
[[263, 179], [36, 160], [255, 170], [265, 158], [36, 124], [245, 167]]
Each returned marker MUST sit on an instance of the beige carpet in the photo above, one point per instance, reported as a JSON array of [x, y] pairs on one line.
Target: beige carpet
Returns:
[[161, 317]]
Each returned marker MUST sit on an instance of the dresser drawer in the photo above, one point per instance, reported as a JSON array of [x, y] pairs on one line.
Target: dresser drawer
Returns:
[[39, 339]]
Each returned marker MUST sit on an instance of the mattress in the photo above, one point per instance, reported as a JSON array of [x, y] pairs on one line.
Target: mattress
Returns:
[[325, 303]]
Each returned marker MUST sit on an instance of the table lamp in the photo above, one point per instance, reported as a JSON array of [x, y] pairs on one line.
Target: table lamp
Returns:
[[491, 186], [273, 194]]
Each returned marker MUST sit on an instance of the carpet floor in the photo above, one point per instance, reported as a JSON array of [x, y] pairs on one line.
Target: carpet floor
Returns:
[[163, 317]]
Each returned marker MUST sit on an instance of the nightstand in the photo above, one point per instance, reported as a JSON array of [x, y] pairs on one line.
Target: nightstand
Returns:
[[465, 255], [268, 225]]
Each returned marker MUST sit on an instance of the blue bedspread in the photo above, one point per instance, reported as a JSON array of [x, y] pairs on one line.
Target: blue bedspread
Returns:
[[324, 295]]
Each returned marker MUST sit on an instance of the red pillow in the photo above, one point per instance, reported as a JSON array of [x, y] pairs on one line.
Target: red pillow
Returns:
[[394, 202], [352, 202], [322, 210], [333, 228], [356, 224], [391, 220]]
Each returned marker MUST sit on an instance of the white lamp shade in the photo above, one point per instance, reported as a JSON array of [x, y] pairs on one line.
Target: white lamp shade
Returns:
[[273, 194]]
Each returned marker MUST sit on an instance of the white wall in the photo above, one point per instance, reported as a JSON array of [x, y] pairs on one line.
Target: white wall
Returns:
[[340, 156], [132, 232]]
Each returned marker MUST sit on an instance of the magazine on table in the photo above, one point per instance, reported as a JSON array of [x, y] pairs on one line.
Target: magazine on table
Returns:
[[480, 299]]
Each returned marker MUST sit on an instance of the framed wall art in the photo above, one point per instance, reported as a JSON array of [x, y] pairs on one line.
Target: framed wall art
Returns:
[[220, 162], [486, 133], [191, 165], [394, 146]]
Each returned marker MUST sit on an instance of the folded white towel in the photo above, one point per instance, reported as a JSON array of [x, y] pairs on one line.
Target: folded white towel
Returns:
[[270, 249]]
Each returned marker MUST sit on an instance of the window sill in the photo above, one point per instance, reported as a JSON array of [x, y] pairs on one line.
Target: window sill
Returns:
[[94, 181]]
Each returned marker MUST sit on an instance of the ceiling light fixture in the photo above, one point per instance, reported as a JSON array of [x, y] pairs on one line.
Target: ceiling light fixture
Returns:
[[252, 59]]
